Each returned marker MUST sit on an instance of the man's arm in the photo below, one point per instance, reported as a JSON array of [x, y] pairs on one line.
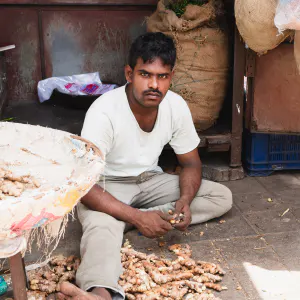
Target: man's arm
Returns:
[[190, 176], [190, 181], [100, 200], [151, 224]]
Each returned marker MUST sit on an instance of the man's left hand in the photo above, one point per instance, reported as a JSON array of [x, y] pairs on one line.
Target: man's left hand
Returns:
[[182, 207]]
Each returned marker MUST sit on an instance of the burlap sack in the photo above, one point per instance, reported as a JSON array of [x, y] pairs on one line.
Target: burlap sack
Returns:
[[201, 72], [255, 21]]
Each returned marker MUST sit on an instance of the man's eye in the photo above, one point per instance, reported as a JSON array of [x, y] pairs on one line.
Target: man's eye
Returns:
[[145, 74], [162, 76]]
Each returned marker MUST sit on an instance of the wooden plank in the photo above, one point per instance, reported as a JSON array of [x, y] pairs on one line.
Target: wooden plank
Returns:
[[237, 101], [3, 90], [276, 89], [18, 277], [78, 2], [23, 70]]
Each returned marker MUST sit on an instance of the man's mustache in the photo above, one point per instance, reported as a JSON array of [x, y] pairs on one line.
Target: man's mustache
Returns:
[[153, 91]]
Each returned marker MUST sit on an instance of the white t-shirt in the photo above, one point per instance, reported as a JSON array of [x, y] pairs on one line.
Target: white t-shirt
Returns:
[[129, 151]]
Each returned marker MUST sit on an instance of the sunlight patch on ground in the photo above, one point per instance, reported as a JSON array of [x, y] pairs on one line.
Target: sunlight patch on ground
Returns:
[[274, 284]]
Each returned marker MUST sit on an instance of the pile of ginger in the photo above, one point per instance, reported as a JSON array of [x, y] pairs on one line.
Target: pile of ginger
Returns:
[[13, 185], [46, 280], [145, 277]]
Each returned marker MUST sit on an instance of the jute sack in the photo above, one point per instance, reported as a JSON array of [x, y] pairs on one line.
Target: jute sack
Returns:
[[255, 21], [201, 72]]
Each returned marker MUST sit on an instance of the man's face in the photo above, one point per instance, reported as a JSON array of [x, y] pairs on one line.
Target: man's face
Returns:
[[150, 81]]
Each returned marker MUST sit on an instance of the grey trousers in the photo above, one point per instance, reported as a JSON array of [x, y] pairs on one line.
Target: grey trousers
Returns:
[[102, 234]]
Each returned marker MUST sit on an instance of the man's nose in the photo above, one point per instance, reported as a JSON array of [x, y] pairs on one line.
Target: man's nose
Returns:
[[153, 83]]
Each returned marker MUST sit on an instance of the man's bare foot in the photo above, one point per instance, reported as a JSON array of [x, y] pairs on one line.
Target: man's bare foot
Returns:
[[69, 291]]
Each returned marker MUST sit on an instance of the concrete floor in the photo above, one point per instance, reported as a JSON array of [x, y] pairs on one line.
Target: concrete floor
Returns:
[[259, 248]]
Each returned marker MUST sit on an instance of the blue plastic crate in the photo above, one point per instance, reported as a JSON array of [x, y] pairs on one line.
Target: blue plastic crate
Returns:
[[266, 153]]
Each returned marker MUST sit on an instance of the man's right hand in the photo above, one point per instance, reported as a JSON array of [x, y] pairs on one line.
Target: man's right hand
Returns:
[[152, 224]]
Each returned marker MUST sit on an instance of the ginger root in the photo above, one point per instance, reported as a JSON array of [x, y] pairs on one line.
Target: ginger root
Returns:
[[176, 218], [147, 277], [48, 278]]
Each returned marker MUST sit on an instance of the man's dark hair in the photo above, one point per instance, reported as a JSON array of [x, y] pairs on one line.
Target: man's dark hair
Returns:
[[150, 46]]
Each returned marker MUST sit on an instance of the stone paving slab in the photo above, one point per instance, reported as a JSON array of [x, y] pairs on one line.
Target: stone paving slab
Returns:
[[290, 197], [287, 246], [256, 265], [270, 221], [245, 186], [257, 202], [280, 181]]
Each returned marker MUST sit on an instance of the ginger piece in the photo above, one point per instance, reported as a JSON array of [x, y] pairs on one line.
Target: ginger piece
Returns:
[[70, 259], [59, 270], [181, 249], [59, 260], [131, 252], [67, 276], [167, 262], [202, 296], [159, 278], [130, 296], [211, 277], [44, 285], [129, 263], [186, 261], [173, 290], [211, 268], [75, 265], [196, 286], [215, 286], [122, 282], [36, 295], [10, 188], [159, 264], [49, 275], [127, 287], [207, 277], [176, 218]]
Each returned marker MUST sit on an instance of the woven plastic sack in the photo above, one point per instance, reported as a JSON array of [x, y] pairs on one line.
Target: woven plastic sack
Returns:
[[255, 22], [66, 167], [288, 15]]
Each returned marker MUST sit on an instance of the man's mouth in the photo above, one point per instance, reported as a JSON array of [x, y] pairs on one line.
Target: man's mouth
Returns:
[[153, 95]]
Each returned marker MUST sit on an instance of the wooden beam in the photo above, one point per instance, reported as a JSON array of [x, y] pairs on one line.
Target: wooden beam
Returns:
[[237, 100], [78, 2], [18, 277]]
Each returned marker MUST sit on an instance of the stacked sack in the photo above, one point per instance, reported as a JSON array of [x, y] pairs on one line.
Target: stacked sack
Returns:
[[202, 66]]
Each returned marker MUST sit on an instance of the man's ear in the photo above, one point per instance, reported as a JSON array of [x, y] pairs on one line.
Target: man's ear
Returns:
[[128, 73], [172, 73]]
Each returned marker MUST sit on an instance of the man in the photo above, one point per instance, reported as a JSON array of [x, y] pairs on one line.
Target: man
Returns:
[[131, 125]]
